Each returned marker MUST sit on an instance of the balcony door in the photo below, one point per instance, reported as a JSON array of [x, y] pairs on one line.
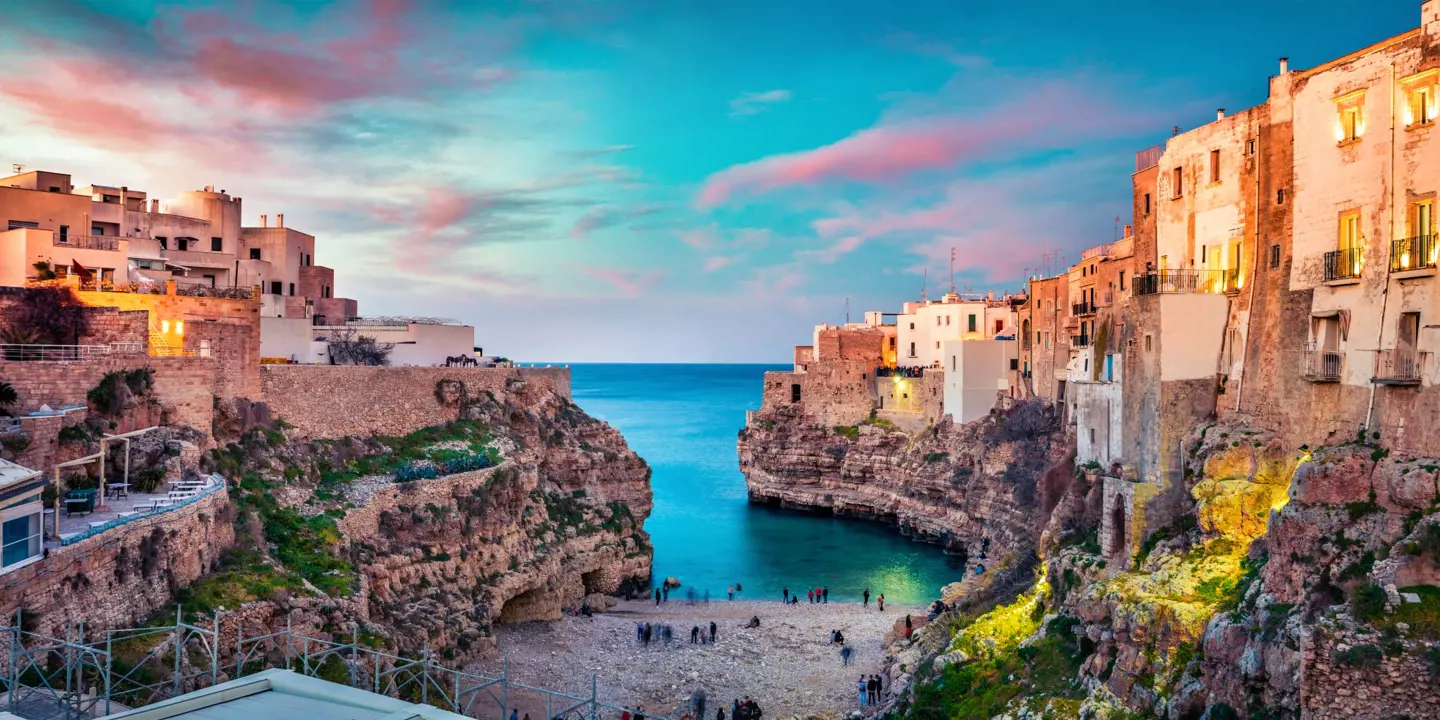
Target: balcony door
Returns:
[[1409, 334], [1327, 334]]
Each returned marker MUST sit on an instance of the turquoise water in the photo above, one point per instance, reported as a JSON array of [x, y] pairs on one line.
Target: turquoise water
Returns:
[[683, 419]]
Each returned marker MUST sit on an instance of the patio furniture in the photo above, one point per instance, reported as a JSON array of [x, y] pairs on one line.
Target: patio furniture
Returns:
[[152, 505], [79, 501], [117, 490]]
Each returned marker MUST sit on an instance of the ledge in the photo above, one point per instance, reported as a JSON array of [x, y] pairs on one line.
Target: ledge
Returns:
[[1413, 274], [1341, 282]]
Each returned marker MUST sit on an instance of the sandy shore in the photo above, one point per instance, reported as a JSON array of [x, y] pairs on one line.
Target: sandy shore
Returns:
[[786, 664]]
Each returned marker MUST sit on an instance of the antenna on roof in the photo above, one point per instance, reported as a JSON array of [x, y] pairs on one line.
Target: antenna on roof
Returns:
[[952, 269], [1117, 227], [847, 310], [18, 168], [925, 285]]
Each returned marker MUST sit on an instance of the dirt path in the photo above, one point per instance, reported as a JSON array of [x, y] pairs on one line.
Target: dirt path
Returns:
[[786, 664]]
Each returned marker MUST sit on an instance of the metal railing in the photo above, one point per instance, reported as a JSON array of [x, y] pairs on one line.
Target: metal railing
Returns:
[[1416, 253], [65, 353], [117, 522], [88, 242], [1399, 366], [1344, 264], [1084, 308], [902, 371], [1163, 282], [92, 674], [1080, 341], [1323, 365]]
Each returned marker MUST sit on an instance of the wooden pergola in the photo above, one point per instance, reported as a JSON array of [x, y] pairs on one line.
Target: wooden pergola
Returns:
[[83, 461]]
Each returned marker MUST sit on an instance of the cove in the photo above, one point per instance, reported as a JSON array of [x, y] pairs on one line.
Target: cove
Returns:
[[684, 419]]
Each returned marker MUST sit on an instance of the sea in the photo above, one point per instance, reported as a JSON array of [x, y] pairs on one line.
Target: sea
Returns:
[[684, 420]]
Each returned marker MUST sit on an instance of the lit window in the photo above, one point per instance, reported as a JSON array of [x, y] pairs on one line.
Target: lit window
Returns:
[[164, 326], [1350, 123], [1350, 231], [1421, 108], [179, 327], [204, 348]]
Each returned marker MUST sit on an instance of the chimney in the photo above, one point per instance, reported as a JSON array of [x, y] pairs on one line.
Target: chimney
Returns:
[[279, 220], [1220, 114], [264, 221], [209, 188], [1129, 231], [155, 205], [1284, 65]]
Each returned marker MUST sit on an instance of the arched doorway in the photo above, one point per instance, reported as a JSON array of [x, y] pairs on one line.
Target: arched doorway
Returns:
[[1119, 529]]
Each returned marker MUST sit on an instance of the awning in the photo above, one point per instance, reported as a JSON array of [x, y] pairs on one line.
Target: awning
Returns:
[[1342, 315]]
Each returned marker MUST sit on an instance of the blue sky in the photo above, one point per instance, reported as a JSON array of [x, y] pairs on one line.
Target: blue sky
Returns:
[[650, 181]]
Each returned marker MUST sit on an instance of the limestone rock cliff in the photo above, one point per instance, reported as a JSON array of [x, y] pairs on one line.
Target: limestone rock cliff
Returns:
[[951, 485]]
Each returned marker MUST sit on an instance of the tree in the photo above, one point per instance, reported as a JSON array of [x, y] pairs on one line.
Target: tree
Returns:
[[8, 397], [52, 315], [348, 348]]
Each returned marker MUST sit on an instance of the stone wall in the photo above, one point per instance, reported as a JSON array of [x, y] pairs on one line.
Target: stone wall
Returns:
[[185, 387], [117, 578], [1397, 687], [339, 400], [831, 393]]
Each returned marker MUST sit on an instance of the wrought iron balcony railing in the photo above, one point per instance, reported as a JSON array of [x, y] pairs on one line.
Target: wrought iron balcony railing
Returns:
[[1084, 308], [1080, 341], [1164, 282], [87, 242], [1416, 253], [1399, 366], [1323, 365], [1344, 264]]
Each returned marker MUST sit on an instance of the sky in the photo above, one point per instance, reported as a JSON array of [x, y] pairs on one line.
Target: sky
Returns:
[[651, 181]]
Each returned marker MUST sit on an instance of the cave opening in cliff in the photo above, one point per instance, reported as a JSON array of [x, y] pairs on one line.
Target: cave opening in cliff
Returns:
[[534, 604], [594, 581]]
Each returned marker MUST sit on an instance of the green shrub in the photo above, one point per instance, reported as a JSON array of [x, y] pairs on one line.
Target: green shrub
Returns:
[[1363, 655], [849, 431], [936, 456], [76, 433], [1360, 568], [1367, 602]]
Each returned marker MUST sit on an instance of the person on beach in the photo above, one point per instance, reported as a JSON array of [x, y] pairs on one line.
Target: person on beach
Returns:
[[865, 602], [665, 593], [845, 655], [785, 595], [720, 714], [514, 715], [625, 715], [872, 689], [863, 687], [909, 627], [825, 592], [694, 634], [640, 713], [713, 630], [882, 602], [639, 632], [731, 591], [754, 621], [657, 597]]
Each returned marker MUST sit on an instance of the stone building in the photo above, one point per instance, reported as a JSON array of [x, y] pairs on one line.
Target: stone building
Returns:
[[1044, 341]]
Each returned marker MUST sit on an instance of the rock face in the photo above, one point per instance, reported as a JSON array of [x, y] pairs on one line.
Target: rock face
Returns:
[[950, 485]]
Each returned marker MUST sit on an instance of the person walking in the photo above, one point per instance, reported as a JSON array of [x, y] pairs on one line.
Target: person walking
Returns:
[[810, 596], [785, 595], [665, 593], [514, 715], [865, 602], [870, 690], [713, 630], [845, 654], [909, 627], [825, 592], [731, 591], [882, 602], [864, 687], [657, 597], [694, 634]]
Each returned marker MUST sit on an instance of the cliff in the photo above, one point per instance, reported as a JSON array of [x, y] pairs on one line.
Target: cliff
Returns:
[[956, 486]]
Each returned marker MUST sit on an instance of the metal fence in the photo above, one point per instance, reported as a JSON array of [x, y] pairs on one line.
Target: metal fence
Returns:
[[62, 353], [86, 675]]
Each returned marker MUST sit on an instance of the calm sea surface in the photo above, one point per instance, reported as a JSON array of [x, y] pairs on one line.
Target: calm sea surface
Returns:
[[683, 419]]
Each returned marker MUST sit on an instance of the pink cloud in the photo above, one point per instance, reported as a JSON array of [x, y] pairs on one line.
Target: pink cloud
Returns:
[[893, 150], [718, 262], [593, 219], [632, 283]]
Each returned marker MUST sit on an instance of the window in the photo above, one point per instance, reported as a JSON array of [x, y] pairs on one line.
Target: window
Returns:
[[21, 224], [97, 230], [972, 323], [1214, 166], [292, 288], [1280, 196], [912, 326], [999, 326], [254, 253], [275, 287], [1350, 231], [204, 348], [216, 244], [937, 344], [1421, 109], [1122, 280], [1148, 345], [20, 534], [937, 321], [1352, 117], [1250, 146], [1422, 218], [952, 363], [912, 349], [1274, 256], [112, 199], [1147, 203], [947, 320], [182, 244], [1177, 182], [1083, 270], [164, 242], [211, 278], [795, 393], [892, 339]]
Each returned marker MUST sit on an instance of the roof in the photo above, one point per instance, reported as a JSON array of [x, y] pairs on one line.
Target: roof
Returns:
[[11, 473], [284, 695]]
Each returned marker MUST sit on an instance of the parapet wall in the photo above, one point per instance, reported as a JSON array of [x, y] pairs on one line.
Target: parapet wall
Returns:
[[117, 578], [184, 386], [832, 393], [323, 401]]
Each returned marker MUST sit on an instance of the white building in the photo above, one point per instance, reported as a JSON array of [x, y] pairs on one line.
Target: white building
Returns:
[[20, 518], [977, 372], [924, 327], [298, 340]]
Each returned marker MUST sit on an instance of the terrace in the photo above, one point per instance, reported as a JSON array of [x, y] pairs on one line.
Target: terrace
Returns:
[[78, 520]]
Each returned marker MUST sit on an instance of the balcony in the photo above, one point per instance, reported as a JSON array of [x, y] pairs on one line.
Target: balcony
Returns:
[[1079, 341], [87, 242], [1323, 366], [1082, 309], [1166, 282], [1343, 266], [1414, 254], [1399, 366]]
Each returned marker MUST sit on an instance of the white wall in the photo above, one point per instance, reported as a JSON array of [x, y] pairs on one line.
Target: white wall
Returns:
[[1098, 421], [1192, 330], [974, 373], [290, 338]]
